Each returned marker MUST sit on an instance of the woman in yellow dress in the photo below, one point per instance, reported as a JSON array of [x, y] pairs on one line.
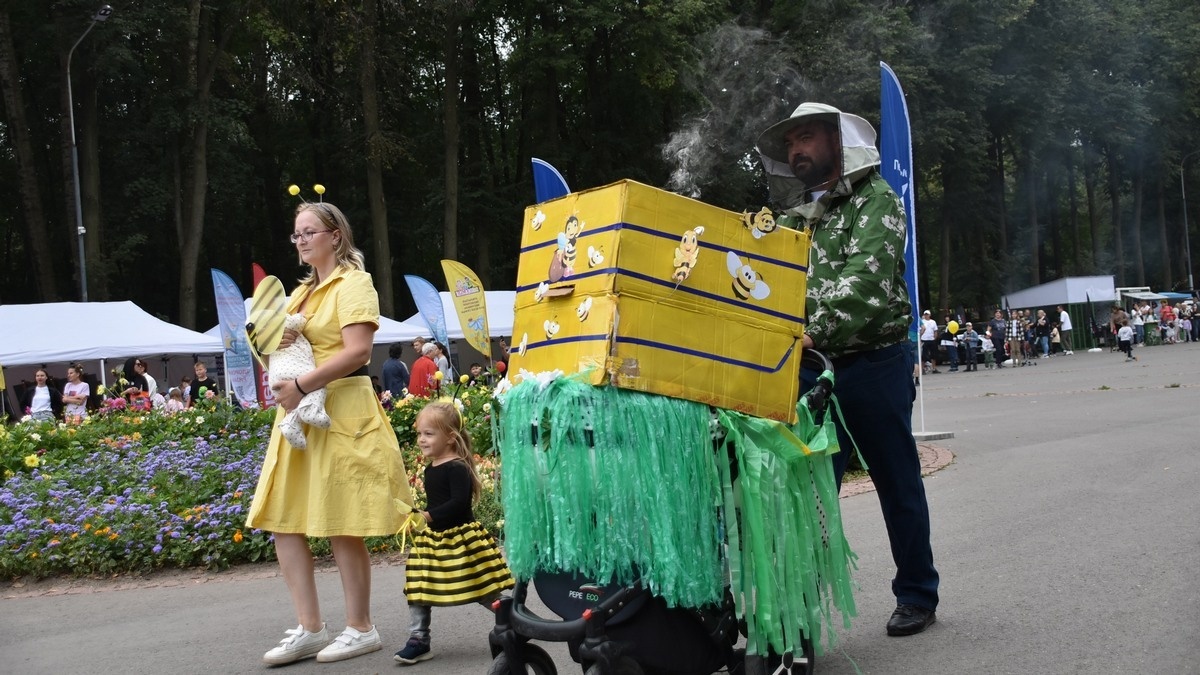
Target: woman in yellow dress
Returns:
[[344, 485]]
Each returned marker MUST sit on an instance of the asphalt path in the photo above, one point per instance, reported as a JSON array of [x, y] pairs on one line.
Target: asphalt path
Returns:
[[1065, 532]]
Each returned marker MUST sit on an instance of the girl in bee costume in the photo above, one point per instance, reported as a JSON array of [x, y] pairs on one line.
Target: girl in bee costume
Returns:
[[455, 560]]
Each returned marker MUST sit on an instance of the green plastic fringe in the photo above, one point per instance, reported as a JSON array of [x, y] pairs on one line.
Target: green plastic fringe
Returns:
[[616, 484], [611, 484], [789, 561]]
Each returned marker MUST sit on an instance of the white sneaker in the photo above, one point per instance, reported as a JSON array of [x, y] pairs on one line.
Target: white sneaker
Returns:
[[298, 644], [349, 644]]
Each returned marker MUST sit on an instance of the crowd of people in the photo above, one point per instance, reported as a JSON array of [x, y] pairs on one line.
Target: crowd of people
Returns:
[[73, 400], [1020, 337]]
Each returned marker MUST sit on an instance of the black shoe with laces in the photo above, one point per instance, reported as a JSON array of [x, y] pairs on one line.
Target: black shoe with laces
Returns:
[[910, 620]]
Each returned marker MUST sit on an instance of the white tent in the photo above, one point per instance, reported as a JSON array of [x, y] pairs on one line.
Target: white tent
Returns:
[[83, 331], [500, 309], [389, 331], [1065, 291]]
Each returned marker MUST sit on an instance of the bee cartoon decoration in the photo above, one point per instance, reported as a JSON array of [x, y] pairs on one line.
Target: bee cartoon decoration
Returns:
[[761, 223], [686, 254], [746, 282], [595, 256], [551, 327], [535, 223], [563, 264], [540, 292], [584, 309], [524, 344]]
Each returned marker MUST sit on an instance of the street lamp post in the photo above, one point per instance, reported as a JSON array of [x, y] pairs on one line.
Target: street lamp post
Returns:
[[101, 15]]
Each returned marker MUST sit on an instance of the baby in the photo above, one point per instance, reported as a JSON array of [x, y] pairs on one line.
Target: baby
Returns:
[[288, 364]]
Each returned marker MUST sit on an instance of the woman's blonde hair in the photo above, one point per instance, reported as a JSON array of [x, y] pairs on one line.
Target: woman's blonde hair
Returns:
[[332, 218], [446, 417]]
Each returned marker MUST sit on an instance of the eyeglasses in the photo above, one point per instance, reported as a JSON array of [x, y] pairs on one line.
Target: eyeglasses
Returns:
[[305, 236]]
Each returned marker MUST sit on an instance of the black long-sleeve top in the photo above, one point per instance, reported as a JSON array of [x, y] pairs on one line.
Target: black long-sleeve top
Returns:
[[448, 494]]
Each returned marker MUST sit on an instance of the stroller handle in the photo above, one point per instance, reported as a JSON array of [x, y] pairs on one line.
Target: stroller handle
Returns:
[[816, 397]]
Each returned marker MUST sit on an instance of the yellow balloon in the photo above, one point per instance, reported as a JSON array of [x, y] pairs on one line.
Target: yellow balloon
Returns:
[[319, 189], [952, 327], [293, 190]]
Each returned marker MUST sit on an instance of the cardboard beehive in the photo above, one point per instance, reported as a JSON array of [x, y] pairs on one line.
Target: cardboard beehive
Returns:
[[648, 290]]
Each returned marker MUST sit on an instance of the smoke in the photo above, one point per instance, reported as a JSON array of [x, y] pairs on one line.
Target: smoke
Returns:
[[746, 84]]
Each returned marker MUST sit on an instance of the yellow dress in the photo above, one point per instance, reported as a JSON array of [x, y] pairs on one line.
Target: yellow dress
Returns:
[[347, 479]]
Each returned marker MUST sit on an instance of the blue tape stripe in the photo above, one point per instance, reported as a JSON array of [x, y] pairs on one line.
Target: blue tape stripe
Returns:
[[665, 235], [669, 348]]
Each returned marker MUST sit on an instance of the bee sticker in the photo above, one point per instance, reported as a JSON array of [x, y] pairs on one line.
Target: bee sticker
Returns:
[[541, 291], [524, 344], [595, 256], [551, 326], [583, 309], [535, 223], [760, 224], [563, 264], [746, 282], [686, 254]]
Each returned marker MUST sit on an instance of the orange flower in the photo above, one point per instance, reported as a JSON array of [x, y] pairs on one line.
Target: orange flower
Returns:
[[237, 537]]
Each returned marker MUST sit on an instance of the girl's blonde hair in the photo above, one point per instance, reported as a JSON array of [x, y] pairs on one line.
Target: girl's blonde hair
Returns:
[[346, 253], [444, 416]]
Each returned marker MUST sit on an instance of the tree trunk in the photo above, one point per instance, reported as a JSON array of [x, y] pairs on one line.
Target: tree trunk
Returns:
[[36, 235], [451, 135], [944, 255], [1114, 196], [202, 58], [89, 172], [997, 150], [1089, 186], [382, 273], [1054, 224], [1073, 214], [1035, 258], [1138, 261], [1168, 268]]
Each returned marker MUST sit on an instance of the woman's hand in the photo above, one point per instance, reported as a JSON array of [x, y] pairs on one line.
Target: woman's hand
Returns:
[[287, 395], [289, 336]]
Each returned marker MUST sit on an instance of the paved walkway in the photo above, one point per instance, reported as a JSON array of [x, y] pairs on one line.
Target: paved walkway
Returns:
[[933, 458]]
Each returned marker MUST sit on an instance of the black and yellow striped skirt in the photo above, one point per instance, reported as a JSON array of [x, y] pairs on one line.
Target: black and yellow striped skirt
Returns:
[[454, 567]]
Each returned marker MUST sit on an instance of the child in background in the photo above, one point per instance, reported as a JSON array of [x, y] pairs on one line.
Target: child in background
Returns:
[[454, 560], [1125, 341], [989, 351], [175, 402]]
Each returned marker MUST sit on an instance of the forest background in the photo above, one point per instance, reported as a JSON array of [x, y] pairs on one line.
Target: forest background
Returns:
[[1051, 137]]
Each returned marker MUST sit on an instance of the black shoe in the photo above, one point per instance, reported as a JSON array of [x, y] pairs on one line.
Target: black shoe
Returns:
[[910, 620]]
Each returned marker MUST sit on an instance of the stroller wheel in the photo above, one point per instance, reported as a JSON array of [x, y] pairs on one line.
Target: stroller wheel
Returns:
[[537, 662], [623, 666], [785, 665]]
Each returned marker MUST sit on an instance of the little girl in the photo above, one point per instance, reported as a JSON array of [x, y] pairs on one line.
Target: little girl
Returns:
[[454, 561], [175, 402]]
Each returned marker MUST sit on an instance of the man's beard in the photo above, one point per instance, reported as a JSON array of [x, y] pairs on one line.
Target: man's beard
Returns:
[[813, 174]]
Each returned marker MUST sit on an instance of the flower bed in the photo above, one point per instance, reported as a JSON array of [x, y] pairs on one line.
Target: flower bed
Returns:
[[132, 491]]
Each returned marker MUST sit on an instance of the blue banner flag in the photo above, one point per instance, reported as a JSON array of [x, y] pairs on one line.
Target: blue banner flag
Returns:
[[231, 315], [896, 167], [429, 304], [548, 183]]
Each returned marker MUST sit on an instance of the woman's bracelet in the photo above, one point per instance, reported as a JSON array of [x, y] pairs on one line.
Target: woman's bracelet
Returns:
[[298, 388]]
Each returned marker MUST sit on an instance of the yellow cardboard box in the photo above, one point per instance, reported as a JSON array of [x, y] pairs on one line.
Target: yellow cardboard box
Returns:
[[648, 290]]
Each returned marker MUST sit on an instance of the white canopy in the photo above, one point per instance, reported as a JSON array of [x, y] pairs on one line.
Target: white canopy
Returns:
[[389, 331], [82, 331], [1065, 291], [501, 306]]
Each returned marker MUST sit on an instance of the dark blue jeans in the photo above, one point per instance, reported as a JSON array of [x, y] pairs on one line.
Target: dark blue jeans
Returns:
[[875, 392]]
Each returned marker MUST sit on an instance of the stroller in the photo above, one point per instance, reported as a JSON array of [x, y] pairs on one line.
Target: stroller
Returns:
[[615, 628]]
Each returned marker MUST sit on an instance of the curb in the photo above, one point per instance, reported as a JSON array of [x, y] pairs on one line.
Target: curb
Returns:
[[933, 458]]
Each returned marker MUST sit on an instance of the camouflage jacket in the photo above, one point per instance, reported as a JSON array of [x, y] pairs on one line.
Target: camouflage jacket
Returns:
[[857, 298]]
